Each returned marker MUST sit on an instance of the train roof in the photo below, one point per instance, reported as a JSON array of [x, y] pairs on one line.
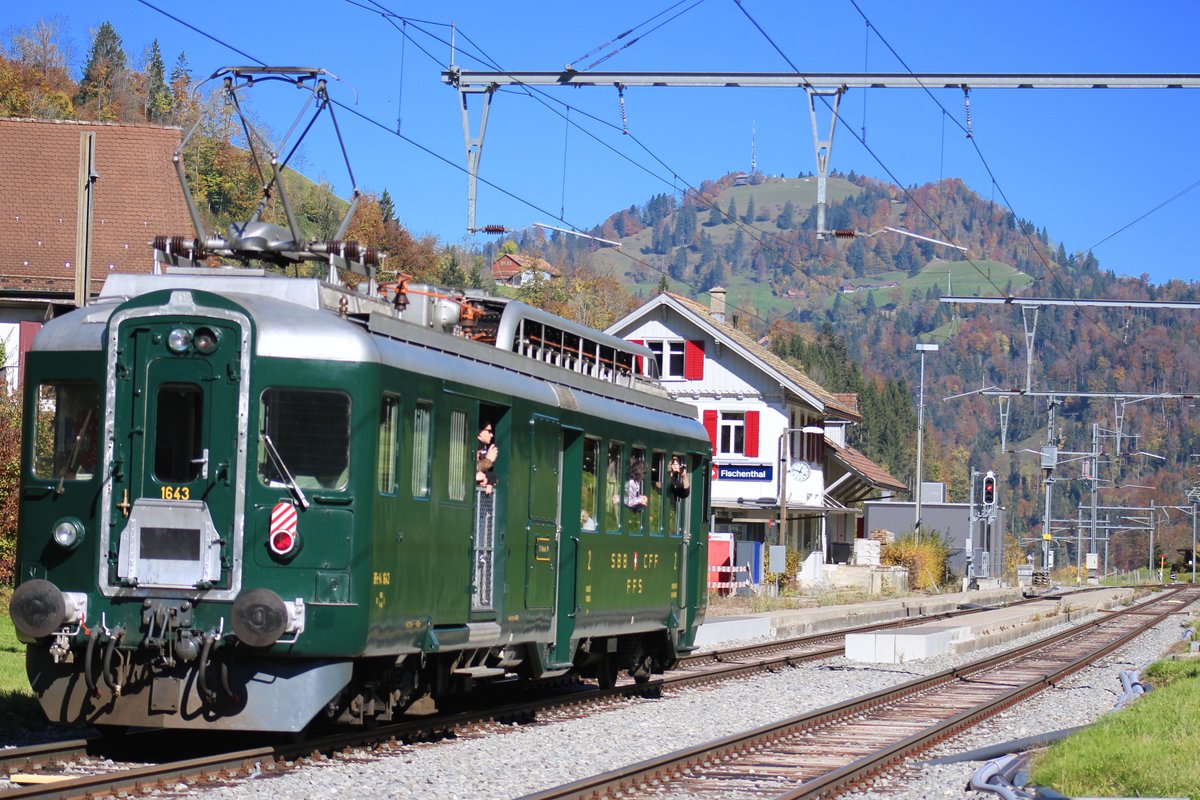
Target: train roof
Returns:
[[472, 334]]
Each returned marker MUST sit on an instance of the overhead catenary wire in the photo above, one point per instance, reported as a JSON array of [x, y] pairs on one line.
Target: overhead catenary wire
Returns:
[[697, 196]]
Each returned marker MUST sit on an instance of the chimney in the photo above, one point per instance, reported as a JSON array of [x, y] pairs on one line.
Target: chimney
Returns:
[[716, 303]]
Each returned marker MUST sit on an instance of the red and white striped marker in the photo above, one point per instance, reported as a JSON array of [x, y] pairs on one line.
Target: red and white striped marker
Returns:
[[282, 537]]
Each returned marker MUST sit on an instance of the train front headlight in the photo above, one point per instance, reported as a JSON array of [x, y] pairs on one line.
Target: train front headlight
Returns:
[[179, 341], [68, 533]]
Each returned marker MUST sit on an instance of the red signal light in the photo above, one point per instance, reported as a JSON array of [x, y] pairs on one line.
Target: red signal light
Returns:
[[989, 489], [283, 543]]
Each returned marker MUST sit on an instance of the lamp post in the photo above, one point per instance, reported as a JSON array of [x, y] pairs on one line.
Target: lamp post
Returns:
[[922, 348]]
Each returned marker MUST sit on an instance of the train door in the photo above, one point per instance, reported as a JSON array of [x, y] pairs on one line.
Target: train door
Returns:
[[491, 486], [543, 526], [175, 500], [454, 490], [572, 507]]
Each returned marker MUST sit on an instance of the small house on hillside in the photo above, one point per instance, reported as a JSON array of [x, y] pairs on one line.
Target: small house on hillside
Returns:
[[82, 200], [513, 269]]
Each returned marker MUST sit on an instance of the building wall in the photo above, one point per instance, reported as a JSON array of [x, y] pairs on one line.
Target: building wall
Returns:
[[949, 519]]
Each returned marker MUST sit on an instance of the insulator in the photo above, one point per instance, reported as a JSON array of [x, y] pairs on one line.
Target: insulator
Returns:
[[494, 229], [179, 246], [844, 234]]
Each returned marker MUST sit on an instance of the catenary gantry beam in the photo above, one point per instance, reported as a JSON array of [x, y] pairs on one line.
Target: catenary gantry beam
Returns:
[[824, 85]]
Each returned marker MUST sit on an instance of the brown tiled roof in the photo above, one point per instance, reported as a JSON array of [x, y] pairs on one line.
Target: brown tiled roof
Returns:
[[848, 399], [511, 264], [832, 402], [137, 196], [857, 462]]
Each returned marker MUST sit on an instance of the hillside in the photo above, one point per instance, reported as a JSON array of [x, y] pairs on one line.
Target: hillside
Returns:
[[868, 299]]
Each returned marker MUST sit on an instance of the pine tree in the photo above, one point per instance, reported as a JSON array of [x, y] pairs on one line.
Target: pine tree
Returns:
[[181, 85], [387, 206], [731, 213], [158, 100], [103, 75], [749, 218]]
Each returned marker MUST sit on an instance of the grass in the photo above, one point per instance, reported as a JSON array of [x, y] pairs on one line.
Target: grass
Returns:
[[19, 709], [1150, 749]]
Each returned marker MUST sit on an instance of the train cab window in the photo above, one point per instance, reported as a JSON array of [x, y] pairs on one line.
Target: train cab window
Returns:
[[389, 439], [589, 491], [422, 451], [67, 420], [614, 491], [179, 455], [457, 479], [310, 432], [654, 492]]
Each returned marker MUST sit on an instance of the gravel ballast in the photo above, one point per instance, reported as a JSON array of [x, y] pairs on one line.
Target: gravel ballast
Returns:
[[528, 758]]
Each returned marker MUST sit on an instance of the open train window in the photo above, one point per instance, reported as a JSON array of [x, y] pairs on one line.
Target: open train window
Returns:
[[67, 420], [310, 430], [589, 498], [614, 490]]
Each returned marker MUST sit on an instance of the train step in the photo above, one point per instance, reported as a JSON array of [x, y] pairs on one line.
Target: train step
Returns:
[[480, 672]]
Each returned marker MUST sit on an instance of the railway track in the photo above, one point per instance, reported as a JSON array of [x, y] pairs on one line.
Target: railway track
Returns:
[[836, 748], [59, 763]]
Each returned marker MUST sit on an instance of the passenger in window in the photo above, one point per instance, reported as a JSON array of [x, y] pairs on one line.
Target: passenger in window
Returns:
[[681, 482], [486, 454], [635, 496], [586, 522]]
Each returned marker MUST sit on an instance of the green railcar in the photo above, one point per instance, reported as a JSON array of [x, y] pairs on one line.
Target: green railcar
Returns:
[[251, 502]]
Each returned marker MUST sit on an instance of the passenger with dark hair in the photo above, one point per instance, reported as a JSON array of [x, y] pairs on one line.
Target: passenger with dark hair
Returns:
[[681, 482], [635, 497], [485, 458]]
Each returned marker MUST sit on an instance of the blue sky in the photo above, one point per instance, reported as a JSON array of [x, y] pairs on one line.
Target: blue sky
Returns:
[[1081, 163]]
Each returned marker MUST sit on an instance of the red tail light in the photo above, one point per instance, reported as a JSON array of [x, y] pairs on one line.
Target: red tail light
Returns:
[[283, 542]]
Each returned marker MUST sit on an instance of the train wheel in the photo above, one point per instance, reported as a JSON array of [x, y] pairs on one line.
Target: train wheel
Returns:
[[606, 672], [642, 670]]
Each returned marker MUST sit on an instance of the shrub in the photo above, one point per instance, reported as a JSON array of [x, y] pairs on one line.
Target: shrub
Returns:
[[926, 560]]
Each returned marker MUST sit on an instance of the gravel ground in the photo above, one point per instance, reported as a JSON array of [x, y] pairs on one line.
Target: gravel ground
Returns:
[[529, 758]]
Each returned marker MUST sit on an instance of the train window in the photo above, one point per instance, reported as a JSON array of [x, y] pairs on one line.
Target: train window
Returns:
[[65, 447], [614, 491], [677, 499], [178, 430], [456, 484], [637, 492], [422, 448], [589, 491], [389, 437], [310, 429], [654, 491]]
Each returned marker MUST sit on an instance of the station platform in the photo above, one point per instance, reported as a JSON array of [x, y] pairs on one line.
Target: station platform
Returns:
[[996, 622], [979, 630]]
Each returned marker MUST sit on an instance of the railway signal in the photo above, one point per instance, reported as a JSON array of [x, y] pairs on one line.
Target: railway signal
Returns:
[[989, 489]]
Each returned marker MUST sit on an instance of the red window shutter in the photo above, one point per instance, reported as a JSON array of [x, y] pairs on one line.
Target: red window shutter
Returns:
[[693, 360], [639, 365], [752, 434], [710, 422]]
